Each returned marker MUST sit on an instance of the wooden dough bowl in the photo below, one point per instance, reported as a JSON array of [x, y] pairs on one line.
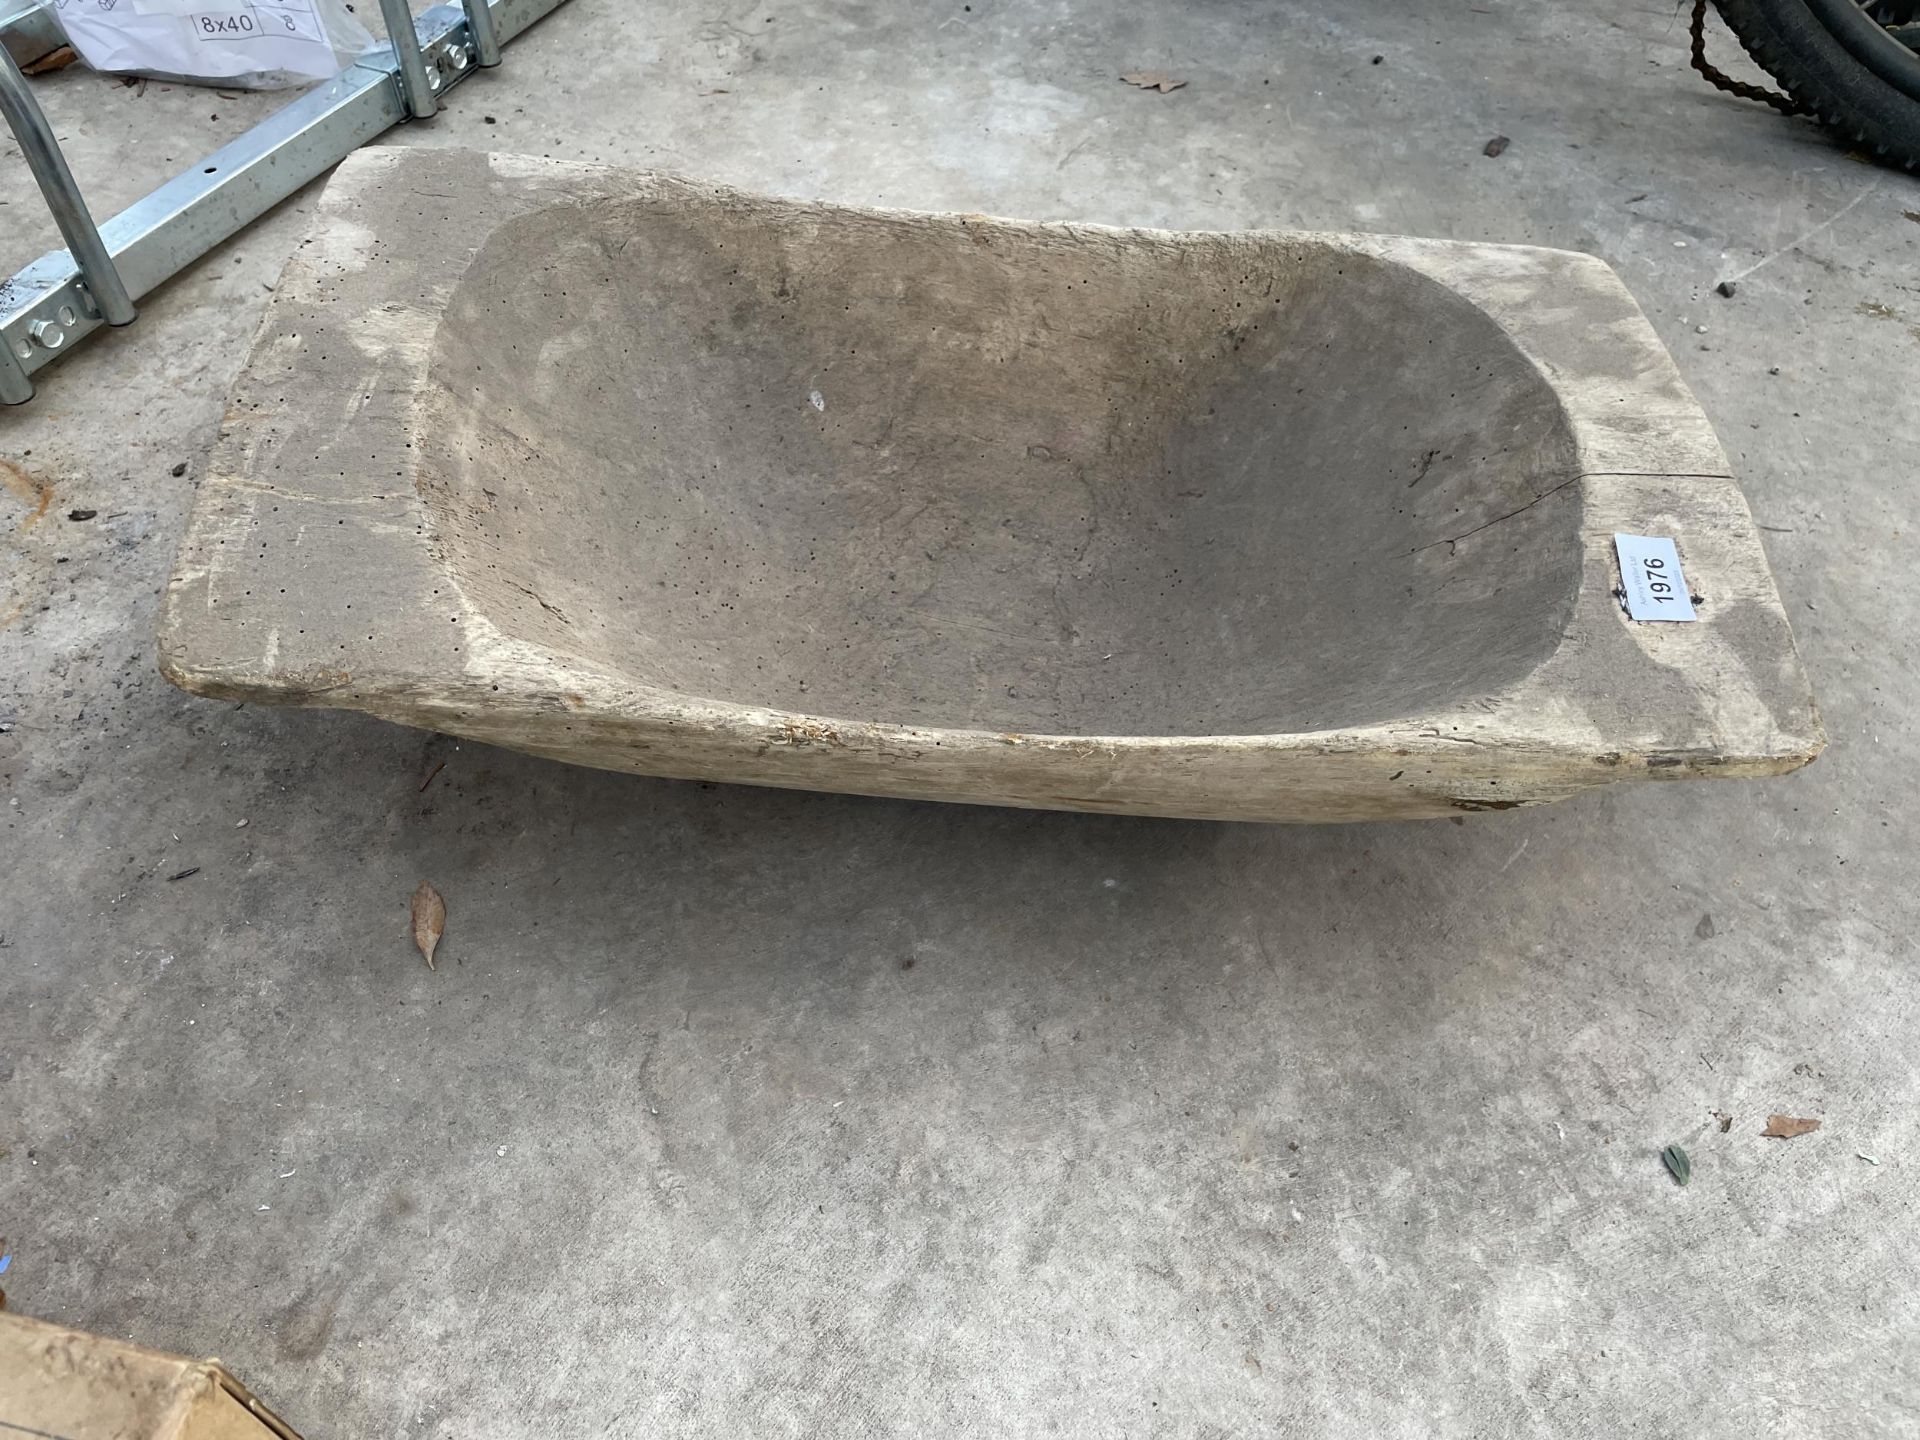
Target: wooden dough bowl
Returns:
[[653, 475]]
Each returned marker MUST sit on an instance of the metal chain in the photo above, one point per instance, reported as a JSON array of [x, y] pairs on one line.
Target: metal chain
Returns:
[[1785, 104]]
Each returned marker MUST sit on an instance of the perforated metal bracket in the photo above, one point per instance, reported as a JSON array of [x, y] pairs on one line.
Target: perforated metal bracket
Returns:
[[50, 307]]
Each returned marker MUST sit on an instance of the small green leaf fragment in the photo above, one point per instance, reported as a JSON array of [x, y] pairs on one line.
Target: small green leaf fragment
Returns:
[[1677, 1163]]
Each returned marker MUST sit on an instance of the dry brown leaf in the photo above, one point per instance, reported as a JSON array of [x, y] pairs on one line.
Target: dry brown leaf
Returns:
[[51, 61], [1153, 80], [429, 920], [1785, 1127]]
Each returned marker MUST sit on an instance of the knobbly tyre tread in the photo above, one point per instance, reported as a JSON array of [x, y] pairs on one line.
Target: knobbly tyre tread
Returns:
[[1788, 40]]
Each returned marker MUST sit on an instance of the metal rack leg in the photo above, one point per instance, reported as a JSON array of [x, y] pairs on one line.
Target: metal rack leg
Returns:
[[415, 82], [55, 303], [16, 388], [486, 41], [42, 151]]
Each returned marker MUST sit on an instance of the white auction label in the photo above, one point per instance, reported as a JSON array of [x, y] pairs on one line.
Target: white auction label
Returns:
[[1650, 574]]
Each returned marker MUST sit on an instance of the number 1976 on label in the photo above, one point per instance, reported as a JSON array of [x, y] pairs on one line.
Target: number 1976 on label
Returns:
[[1650, 575]]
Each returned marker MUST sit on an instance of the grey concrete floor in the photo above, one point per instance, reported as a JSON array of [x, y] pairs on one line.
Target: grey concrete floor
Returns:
[[738, 1112]]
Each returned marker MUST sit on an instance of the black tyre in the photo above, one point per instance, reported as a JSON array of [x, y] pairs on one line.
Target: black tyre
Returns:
[[1847, 61]]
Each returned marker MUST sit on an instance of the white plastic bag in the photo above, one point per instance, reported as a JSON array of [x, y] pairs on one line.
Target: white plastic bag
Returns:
[[244, 44]]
